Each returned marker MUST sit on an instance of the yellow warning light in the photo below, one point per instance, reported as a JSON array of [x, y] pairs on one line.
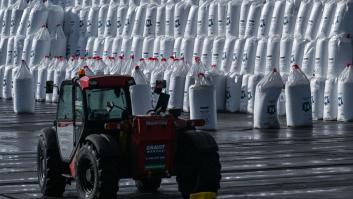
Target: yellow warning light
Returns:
[[203, 195], [81, 73]]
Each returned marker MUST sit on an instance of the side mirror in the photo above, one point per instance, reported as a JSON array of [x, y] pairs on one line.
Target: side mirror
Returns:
[[162, 103], [49, 87]]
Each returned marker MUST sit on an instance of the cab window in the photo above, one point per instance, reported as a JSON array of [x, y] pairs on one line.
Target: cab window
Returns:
[[65, 103]]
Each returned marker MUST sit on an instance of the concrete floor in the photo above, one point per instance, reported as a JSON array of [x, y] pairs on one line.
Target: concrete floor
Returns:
[[285, 163]]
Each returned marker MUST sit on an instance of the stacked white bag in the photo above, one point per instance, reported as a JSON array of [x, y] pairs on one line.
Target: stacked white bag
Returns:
[[23, 100], [345, 95], [266, 97], [203, 103], [298, 99]]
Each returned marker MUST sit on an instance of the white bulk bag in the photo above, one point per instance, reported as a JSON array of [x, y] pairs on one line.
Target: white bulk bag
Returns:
[[89, 47], [233, 92], [40, 46], [116, 68], [203, 104], [126, 46], [156, 46], [196, 69], [120, 21], [116, 46], [222, 18], [71, 19], [233, 15], [343, 18], [98, 66], [309, 58], [139, 77], [181, 13], [150, 21], [298, 99], [252, 83], [22, 27], [72, 63], [198, 45], [313, 21], [191, 23], [58, 42], [213, 19], [59, 77], [4, 4], [339, 54], [139, 23], [169, 19], [217, 78], [206, 57], [18, 48], [110, 23], [92, 22], [244, 94], [129, 20], [243, 18], [248, 58], [321, 54], [71, 44], [285, 53], [27, 49], [277, 18], [23, 101], [6, 22], [138, 92], [83, 16], [345, 95], [87, 3], [303, 16], [147, 47], [317, 87], [160, 20], [202, 18], [136, 47], [237, 55], [265, 18], [217, 50], [107, 49], [327, 18], [7, 83], [186, 49], [2, 71], [266, 97], [55, 17], [37, 18], [177, 85], [290, 15], [3, 49], [102, 18], [177, 46], [253, 20], [98, 46], [227, 54], [166, 46], [298, 50], [330, 100], [281, 103], [272, 53], [260, 57], [16, 15], [9, 52]]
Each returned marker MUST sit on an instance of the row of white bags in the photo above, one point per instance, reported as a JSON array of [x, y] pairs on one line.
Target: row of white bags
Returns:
[[222, 17]]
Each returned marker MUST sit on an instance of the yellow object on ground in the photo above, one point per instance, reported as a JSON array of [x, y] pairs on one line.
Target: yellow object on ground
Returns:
[[203, 195]]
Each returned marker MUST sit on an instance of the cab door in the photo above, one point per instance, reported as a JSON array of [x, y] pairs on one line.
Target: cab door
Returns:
[[65, 123]]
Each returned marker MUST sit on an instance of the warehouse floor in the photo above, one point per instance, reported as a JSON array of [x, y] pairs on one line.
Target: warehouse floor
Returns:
[[285, 163]]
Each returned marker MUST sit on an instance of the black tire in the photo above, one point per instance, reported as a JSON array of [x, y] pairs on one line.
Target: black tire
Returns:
[[148, 185], [196, 171], [51, 181], [96, 175]]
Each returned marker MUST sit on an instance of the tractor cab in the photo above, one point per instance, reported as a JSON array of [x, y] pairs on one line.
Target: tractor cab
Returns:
[[87, 105]]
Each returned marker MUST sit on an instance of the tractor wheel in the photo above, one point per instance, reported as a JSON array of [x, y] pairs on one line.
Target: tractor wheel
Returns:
[[51, 181], [148, 184], [96, 175], [197, 170]]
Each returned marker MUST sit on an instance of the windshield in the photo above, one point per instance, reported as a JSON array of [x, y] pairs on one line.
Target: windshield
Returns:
[[106, 103]]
